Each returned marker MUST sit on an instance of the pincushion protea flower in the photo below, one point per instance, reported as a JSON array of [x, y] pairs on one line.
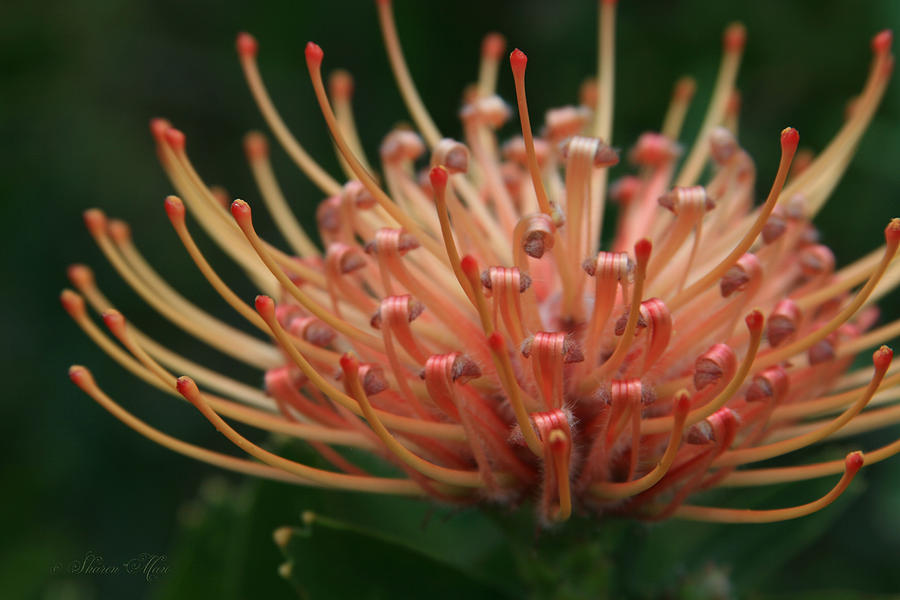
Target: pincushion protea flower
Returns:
[[468, 324]]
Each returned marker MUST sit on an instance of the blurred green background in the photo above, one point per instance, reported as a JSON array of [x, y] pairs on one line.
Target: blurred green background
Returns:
[[80, 82]]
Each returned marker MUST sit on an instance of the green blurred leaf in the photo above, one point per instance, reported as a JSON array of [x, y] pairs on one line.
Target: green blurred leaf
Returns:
[[674, 555], [328, 558], [824, 595], [225, 548]]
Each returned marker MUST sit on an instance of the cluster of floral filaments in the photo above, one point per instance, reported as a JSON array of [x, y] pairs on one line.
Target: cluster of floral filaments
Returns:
[[466, 322]]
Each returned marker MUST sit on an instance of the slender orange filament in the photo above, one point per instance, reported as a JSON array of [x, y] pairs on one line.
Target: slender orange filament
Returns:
[[614, 491], [381, 485], [789, 140], [256, 418], [518, 61], [83, 378], [247, 52], [852, 464], [401, 73], [747, 455]]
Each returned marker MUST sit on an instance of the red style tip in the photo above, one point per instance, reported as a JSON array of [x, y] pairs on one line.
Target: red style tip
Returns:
[[158, 128], [469, 265], [265, 306], [174, 208], [882, 41], [340, 85], [685, 88], [642, 250], [790, 138], [71, 302], [80, 376], [682, 403], [119, 230], [735, 37], [854, 462], [892, 231], [187, 388], [175, 139], [80, 275], [882, 358], [349, 365], [518, 60], [113, 320], [246, 45], [255, 146], [438, 177], [95, 221], [496, 341], [240, 210], [493, 46], [314, 54], [755, 321]]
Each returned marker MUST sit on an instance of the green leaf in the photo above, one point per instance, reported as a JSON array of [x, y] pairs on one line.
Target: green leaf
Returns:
[[225, 548], [675, 555], [328, 558]]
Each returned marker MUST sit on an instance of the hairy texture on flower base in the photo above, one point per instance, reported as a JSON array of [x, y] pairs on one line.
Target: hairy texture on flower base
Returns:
[[469, 325]]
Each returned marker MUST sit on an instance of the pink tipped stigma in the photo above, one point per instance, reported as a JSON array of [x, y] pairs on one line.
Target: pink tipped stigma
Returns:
[[71, 302], [265, 306], [256, 146], [642, 249], [469, 266], [518, 61], [496, 342], [240, 210], [349, 364], [188, 389], [685, 88], [246, 45], [95, 221], [790, 138], [80, 376], [438, 177], [119, 230], [314, 54], [174, 208], [892, 231], [755, 321], [80, 275], [115, 322], [158, 129], [735, 37], [175, 139], [854, 462], [340, 85], [882, 358], [882, 41], [493, 46]]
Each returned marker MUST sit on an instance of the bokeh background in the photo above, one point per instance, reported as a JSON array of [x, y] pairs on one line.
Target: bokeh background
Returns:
[[79, 84]]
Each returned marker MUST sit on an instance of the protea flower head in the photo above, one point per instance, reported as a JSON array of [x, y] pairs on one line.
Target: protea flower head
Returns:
[[465, 320]]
